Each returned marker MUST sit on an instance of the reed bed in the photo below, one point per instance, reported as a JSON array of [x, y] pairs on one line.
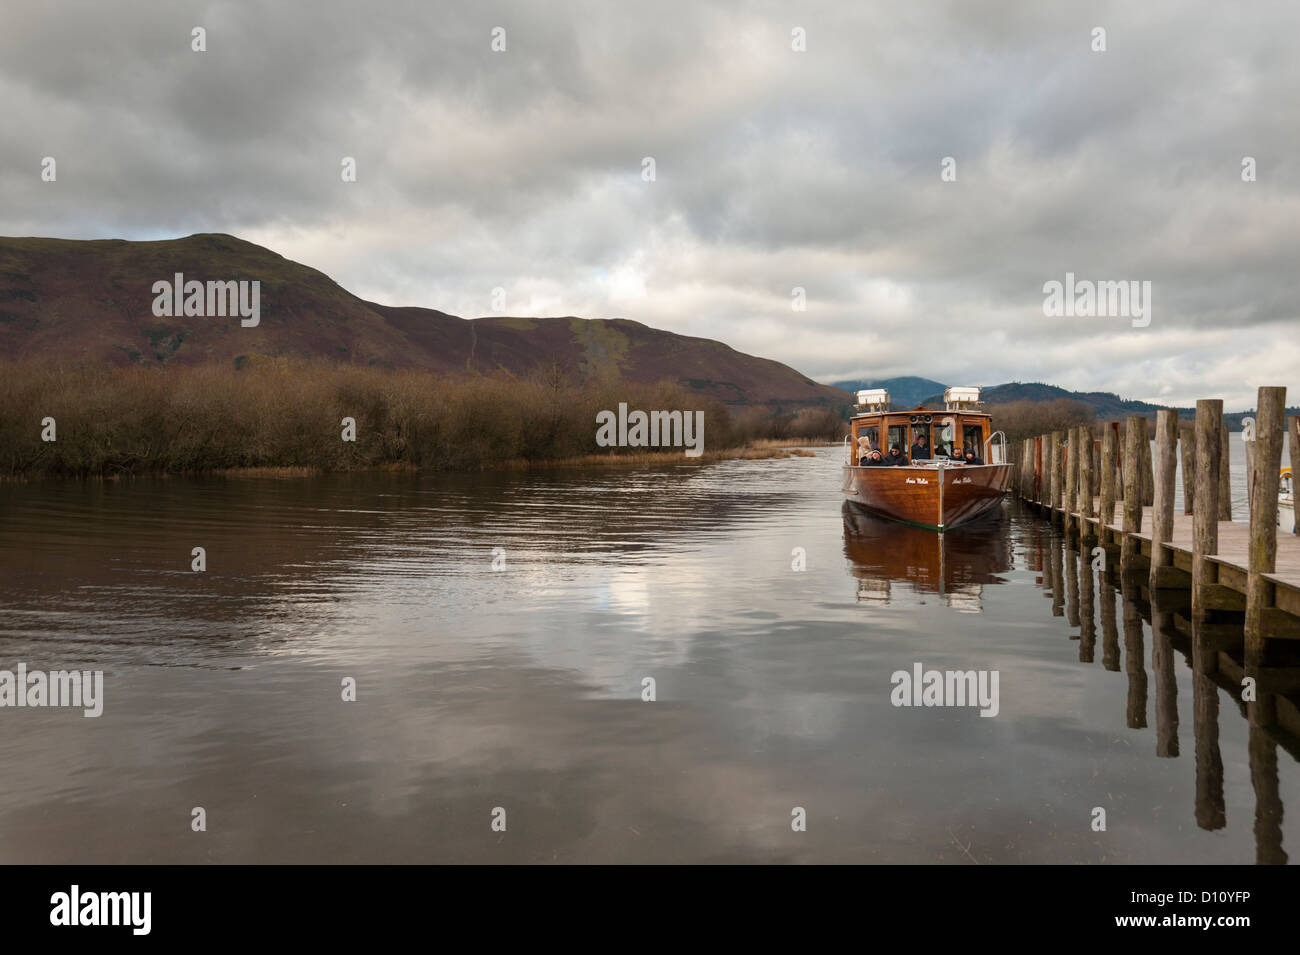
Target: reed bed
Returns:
[[275, 416]]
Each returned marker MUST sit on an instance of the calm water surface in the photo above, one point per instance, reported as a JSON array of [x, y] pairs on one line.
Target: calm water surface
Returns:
[[521, 688]]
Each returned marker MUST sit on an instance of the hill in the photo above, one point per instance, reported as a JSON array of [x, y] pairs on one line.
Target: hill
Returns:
[[1108, 406], [904, 392], [91, 302]]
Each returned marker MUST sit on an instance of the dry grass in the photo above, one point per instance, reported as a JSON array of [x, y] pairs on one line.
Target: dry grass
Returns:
[[274, 417], [794, 442], [650, 458]]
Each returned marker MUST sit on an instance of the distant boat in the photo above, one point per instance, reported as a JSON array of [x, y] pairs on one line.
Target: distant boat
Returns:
[[928, 487]]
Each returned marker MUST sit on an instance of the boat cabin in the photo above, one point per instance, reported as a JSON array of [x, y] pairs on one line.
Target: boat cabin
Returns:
[[941, 433]]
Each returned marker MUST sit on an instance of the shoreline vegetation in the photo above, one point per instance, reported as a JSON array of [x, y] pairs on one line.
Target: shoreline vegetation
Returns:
[[274, 417]]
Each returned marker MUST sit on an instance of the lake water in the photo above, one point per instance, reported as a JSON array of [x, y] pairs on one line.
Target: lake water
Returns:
[[521, 687]]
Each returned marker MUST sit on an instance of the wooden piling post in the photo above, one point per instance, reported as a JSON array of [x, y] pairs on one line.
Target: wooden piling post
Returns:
[[1294, 435], [1225, 474], [1028, 489], [1187, 445], [1071, 468], [1135, 435], [1162, 512], [1038, 468], [1085, 482], [1148, 471], [1251, 447], [1057, 474], [1205, 522], [1109, 458], [1270, 420], [1096, 458]]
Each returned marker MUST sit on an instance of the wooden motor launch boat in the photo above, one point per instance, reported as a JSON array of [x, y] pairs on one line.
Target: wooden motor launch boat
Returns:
[[924, 484]]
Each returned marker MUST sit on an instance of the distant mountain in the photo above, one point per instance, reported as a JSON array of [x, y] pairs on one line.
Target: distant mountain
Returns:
[[1109, 407], [905, 392], [92, 302]]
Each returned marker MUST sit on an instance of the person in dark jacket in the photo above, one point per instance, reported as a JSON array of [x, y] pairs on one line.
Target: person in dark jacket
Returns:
[[920, 447], [873, 459], [896, 457], [970, 457]]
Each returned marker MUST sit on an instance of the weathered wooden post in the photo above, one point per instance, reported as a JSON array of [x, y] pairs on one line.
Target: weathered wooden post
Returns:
[[1057, 474], [1270, 419], [1250, 472], [1096, 457], [1109, 463], [1038, 467], [1029, 470], [1187, 444], [1085, 484], [1148, 471], [1135, 436], [1294, 432], [1205, 524], [1225, 473], [1162, 511], [1069, 480]]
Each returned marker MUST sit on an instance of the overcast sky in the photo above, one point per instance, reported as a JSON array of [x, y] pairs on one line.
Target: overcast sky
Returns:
[[774, 168]]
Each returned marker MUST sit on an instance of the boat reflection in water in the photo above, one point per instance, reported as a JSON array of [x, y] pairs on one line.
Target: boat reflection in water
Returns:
[[955, 564]]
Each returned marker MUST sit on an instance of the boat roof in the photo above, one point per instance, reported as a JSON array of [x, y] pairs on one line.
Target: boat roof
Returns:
[[922, 409]]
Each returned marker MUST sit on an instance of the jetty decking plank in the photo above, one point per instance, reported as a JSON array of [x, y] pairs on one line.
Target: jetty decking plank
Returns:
[[1233, 550]]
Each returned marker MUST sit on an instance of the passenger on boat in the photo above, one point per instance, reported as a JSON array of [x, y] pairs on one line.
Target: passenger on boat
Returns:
[[873, 459], [865, 449], [970, 457], [896, 457], [920, 449], [941, 451]]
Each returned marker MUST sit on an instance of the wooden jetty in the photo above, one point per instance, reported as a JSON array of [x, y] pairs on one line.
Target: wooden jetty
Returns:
[[1234, 587]]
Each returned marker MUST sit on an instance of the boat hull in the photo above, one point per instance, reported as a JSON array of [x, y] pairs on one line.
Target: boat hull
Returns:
[[937, 498]]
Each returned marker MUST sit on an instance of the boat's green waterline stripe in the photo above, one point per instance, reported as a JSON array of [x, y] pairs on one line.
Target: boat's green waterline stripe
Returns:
[[897, 520]]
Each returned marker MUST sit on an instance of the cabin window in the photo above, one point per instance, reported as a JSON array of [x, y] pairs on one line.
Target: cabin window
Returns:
[[898, 436], [919, 451], [973, 436], [872, 435], [943, 437]]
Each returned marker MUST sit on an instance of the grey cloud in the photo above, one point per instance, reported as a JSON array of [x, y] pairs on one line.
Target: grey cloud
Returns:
[[775, 168]]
